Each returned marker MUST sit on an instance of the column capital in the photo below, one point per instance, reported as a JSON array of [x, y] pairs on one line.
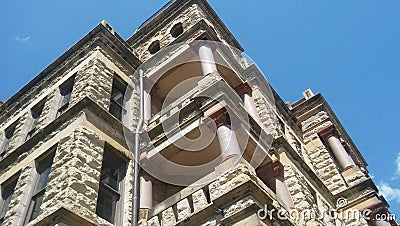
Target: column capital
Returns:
[[271, 170], [203, 38], [327, 132], [220, 117], [244, 88], [378, 208]]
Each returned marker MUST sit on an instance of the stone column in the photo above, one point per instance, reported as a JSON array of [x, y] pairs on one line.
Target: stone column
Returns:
[[146, 199], [329, 134], [147, 105], [227, 139], [206, 58], [146, 193], [245, 92], [147, 98], [273, 175]]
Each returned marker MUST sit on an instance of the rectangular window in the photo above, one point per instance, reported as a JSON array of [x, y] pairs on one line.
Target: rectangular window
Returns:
[[66, 92], [9, 133], [109, 201], [43, 169], [35, 113], [7, 191], [117, 98]]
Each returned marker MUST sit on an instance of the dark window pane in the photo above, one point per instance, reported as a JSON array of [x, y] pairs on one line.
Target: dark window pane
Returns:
[[112, 173], [117, 98], [154, 47], [36, 202], [44, 178], [116, 110], [9, 133], [66, 92], [36, 112], [6, 195], [176, 30], [106, 204], [43, 170]]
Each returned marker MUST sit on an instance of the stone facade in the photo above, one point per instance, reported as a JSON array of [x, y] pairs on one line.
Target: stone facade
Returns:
[[74, 182], [299, 169]]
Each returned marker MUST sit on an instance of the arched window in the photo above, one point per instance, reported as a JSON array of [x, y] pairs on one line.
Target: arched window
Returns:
[[176, 30], [154, 47]]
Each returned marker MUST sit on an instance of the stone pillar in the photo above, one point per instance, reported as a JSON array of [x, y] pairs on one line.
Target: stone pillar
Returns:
[[245, 92], [146, 193], [228, 143], [146, 199], [147, 105], [273, 175], [148, 86], [329, 134], [206, 58]]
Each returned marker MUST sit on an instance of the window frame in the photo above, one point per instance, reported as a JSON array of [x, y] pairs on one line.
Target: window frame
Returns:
[[36, 112], [154, 47], [38, 189], [177, 30], [66, 90], [112, 156], [8, 137], [121, 86], [11, 184]]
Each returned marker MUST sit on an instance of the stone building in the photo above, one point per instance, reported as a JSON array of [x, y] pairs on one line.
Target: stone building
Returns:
[[65, 156]]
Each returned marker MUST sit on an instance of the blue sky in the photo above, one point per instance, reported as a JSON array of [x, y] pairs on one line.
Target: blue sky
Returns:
[[347, 50]]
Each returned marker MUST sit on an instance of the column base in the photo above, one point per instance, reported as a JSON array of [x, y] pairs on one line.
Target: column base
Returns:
[[143, 216]]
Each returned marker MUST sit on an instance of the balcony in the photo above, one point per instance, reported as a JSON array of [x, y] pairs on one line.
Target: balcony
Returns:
[[234, 195]]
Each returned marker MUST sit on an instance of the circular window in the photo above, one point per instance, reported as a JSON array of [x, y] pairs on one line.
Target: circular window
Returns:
[[176, 30], [154, 47]]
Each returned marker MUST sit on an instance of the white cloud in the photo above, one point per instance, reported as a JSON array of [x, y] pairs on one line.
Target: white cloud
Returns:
[[397, 172], [19, 39], [389, 192], [398, 164]]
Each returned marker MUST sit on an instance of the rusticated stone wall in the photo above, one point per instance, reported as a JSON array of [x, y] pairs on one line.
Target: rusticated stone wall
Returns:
[[74, 179], [267, 113], [188, 18], [320, 157], [297, 185], [94, 80], [20, 132], [49, 111]]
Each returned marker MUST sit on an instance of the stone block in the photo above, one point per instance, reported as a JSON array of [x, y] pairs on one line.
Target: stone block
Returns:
[[183, 209], [199, 200], [168, 217]]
